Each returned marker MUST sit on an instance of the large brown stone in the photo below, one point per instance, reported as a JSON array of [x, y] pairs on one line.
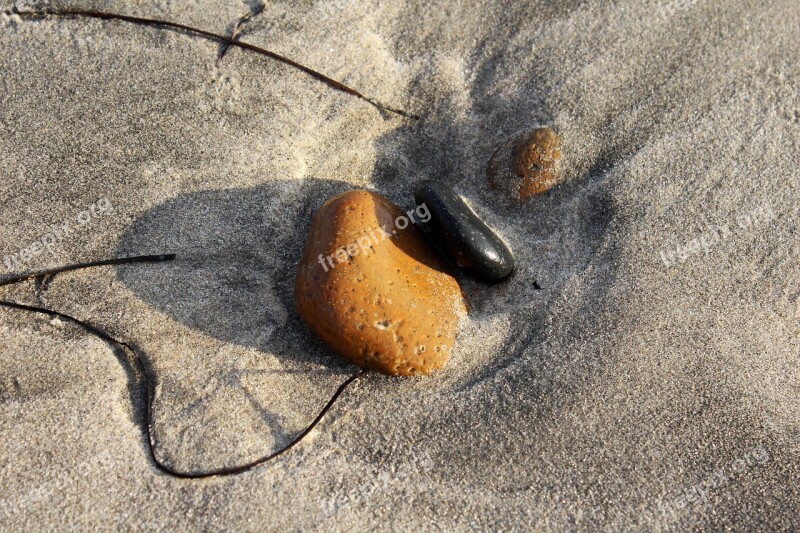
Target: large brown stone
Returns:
[[381, 298]]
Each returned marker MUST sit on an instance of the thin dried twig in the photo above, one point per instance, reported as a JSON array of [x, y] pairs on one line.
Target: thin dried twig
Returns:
[[225, 39], [148, 378]]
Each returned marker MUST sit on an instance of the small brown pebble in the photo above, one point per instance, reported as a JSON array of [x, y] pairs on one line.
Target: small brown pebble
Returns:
[[382, 298], [528, 164]]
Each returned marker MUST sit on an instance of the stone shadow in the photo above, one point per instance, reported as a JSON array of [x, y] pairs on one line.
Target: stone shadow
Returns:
[[555, 237], [233, 280], [237, 251]]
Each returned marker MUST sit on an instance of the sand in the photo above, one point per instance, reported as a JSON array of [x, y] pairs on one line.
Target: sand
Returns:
[[652, 383]]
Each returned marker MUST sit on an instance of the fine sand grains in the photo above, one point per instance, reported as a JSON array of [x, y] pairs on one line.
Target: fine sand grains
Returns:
[[601, 401]]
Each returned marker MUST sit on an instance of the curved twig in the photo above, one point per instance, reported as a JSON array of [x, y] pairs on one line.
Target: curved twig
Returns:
[[222, 38], [106, 336], [16, 278]]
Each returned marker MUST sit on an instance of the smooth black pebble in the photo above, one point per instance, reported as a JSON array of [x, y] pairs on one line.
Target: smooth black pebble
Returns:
[[463, 237]]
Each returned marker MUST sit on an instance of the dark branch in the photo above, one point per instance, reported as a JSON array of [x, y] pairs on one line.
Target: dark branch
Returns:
[[17, 278], [225, 39], [142, 368]]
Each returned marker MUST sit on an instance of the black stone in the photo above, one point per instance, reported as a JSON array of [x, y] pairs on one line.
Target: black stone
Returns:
[[461, 236]]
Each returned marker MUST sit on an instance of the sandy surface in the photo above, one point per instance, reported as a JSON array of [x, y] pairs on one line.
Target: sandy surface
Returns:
[[654, 382]]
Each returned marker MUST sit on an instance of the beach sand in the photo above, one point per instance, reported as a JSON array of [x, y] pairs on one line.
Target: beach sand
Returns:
[[652, 383]]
